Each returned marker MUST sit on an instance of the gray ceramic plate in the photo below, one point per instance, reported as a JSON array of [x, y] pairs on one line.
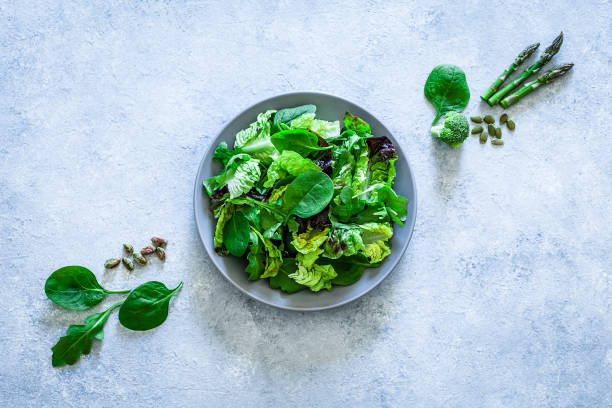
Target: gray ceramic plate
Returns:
[[329, 108]]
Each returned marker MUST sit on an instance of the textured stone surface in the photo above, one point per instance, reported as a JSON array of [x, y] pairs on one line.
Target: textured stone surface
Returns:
[[502, 299]]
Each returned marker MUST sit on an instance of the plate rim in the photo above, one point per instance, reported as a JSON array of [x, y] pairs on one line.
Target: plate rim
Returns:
[[197, 190]]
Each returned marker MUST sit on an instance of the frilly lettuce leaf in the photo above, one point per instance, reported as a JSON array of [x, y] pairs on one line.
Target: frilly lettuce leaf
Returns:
[[344, 242], [255, 140], [288, 163], [323, 128], [310, 240], [316, 277], [376, 251], [375, 231], [240, 175], [274, 257]]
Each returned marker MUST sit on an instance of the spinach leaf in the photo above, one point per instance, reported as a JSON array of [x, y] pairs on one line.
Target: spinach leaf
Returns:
[[75, 287], [394, 203], [300, 141], [447, 89], [308, 194], [282, 279], [356, 124], [236, 234], [146, 307], [79, 337], [288, 114]]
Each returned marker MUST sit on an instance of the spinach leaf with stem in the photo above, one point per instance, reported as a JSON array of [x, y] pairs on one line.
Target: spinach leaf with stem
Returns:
[[76, 287], [146, 307], [300, 141], [79, 337], [447, 89]]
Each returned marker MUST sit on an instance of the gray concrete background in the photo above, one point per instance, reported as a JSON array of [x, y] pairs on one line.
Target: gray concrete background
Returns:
[[503, 298]]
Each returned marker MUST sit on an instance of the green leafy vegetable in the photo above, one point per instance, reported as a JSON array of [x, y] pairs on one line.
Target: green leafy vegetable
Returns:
[[255, 140], [322, 128], [308, 194], [146, 307], [288, 114], [297, 140], [256, 257], [356, 124], [75, 287], [447, 89], [236, 233], [289, 163], [282, 280], [314, 211], [79, 337]]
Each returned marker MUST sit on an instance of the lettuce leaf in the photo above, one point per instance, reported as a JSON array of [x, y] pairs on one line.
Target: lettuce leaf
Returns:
[[322, 128], [356, 124], [255, 140], [316, 277], [310, 240], [394, 204], [274, 257], [377, 251], [288, 163], [226, 212], [240, 175]]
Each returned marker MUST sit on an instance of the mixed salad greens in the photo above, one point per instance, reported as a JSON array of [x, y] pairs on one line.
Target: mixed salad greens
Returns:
[[309, 205]]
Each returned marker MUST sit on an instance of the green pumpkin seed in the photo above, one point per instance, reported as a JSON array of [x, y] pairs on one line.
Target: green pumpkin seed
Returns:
[[497, 142], [498, 133], [476, 119], [489, 119], [128, 263], [491, 130], [503, 118], [483, 138], [511, 125], [476, 130]]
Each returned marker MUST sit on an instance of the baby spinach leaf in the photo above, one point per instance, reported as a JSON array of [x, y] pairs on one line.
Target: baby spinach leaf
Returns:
[[236, 234], [288, 114], [356, 124], [447, 89], [282, 279], [75, 287], [79, 337], [308, 194], [300, 141], [146, 307]]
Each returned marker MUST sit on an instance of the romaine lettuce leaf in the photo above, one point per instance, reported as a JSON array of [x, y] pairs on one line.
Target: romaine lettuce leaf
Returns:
[[322, 128], [255, 140], [256, 257], [226, 212], [240, 175]]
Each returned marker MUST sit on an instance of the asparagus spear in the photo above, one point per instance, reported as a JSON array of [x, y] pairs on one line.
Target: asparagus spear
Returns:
[[545, 79], [526, 53], [543, 60]]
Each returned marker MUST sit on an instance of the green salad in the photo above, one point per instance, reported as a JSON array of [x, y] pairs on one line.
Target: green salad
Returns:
[[306, 203]]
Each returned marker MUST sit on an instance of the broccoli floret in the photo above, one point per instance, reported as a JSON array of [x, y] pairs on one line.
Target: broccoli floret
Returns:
[[454, 130]]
